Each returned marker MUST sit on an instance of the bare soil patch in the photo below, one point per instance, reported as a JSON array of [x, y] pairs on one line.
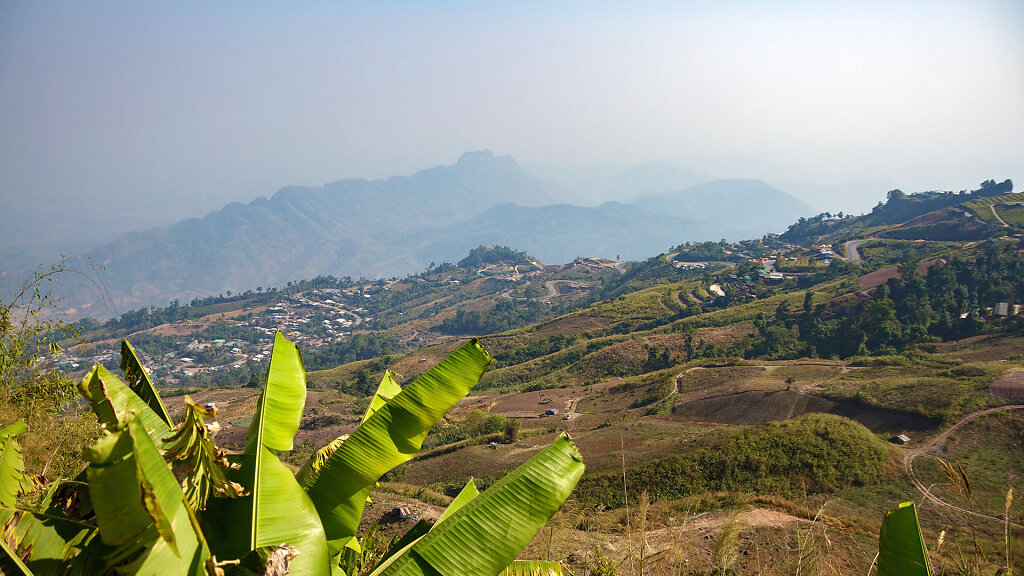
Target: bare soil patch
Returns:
[[1009, 386], [879, 277], [531, 404]]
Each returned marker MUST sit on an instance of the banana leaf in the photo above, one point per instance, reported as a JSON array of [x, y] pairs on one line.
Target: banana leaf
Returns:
[[467, 493], [112, 401], [393, 434], [279, 410], [277, 511], [386, 390], [13, 480], [901, 549], [486, 534], [139, 382], [10, 563], [140, 509], [47, 543], [421, 528], [532, 568]]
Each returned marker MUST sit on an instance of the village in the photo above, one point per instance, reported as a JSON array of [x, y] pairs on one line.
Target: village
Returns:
[[232, 343]]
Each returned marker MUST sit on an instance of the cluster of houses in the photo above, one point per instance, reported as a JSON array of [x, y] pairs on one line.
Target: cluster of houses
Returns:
[[314, 318]]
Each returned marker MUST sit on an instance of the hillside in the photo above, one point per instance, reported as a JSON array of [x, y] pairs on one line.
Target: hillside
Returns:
[[728, 405], [757, 382], [932, 215]]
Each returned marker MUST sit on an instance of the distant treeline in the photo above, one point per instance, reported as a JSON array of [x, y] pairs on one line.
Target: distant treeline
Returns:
[[482, 255]]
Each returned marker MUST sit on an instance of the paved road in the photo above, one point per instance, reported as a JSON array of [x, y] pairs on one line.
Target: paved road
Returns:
[[852, 255], [908, 462]]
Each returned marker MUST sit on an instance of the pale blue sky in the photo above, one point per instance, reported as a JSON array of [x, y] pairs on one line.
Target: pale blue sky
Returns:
[[177, 108]]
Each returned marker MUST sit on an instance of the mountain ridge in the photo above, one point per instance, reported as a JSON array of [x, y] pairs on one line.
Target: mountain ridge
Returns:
[[389, 227]]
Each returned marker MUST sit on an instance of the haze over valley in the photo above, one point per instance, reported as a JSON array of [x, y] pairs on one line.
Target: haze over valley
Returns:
[[601, 289]]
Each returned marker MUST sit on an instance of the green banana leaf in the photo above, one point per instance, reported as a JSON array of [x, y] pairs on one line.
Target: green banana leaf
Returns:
[[421, 528], [277, 511], [532, 568], [386, 390], [140, 509], [901, 549], [467, 493], [486, 534], [139, 382], [417, 531], [279, 410], [393, 434], [13, 480], [112, 401], [47, 543]]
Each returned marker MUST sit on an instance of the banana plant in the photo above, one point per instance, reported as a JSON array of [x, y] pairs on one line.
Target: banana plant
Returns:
[[160, 497], [501, 520], [13, 480], [901, 548]]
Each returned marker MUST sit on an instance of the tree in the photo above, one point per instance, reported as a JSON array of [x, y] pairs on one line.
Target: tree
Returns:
[[880, 324], [29, 331]]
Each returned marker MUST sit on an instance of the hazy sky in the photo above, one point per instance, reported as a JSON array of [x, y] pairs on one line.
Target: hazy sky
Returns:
[[141, 104]]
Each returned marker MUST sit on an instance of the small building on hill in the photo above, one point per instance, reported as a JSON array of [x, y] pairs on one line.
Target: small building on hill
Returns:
[[901, 439]]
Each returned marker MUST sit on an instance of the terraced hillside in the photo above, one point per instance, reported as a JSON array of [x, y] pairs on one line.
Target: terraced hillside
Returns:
[[707, 401], [709, 416]]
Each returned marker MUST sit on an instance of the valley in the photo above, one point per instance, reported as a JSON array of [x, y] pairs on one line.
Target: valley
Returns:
[[778, 389]]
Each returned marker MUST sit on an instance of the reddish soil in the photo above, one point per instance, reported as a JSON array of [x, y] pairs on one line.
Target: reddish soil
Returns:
[[879, 277], [192, 326]]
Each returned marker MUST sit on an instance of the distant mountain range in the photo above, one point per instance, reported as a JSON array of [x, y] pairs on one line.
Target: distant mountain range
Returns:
[[399, 225]]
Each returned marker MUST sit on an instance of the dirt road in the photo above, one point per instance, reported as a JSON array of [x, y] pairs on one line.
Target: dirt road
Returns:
[[996, 214], [908, 461]]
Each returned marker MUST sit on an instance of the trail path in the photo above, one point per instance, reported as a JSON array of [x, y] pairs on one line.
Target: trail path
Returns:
[[908, 461], [996, 214]]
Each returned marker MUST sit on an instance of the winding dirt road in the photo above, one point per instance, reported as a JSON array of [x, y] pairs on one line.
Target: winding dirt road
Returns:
[[908, 462], [996, 214]]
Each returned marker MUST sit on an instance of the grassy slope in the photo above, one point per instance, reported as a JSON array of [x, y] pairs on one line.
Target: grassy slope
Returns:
[[696, 419]]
